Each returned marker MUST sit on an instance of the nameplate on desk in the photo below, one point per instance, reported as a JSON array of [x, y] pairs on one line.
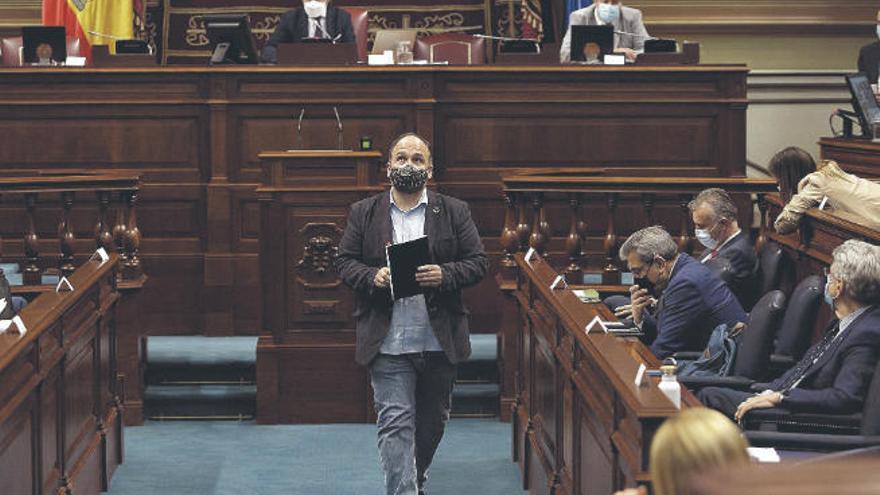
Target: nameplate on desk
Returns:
[[597, 320], [640, 375], [7, 324], [611, 59], [529, 254], [559, 283], [100, 255]]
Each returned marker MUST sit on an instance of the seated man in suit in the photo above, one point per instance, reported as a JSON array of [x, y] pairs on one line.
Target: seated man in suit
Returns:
[[834, 375], [315, 19], [630, 35], [714, 216], [692, 299], [869, 56]]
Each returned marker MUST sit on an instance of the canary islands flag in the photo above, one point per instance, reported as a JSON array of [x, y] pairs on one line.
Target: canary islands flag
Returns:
[[94, 22]]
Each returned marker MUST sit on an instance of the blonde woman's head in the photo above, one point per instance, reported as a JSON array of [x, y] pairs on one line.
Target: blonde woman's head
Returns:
[[690, 443]]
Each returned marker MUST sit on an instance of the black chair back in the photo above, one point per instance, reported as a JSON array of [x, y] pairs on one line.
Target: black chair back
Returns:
[[756, 341], [770, 263], [871, 411], [793, 337]]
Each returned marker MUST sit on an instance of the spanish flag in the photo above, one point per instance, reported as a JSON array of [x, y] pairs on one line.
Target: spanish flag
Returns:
[[111, 18]]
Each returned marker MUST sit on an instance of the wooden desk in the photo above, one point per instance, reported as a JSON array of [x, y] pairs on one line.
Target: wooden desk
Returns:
[[194, 135], [60, 393], [580, 425]]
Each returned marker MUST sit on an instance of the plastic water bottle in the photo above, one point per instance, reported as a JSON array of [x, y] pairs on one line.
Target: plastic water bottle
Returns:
[[669, 384]]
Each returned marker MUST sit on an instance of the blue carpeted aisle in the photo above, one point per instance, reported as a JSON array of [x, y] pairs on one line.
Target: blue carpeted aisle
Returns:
[[231, 458]]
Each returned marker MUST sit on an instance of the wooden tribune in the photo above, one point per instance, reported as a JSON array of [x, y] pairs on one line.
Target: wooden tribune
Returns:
[[60, 393], [580, 424], [306, 371]]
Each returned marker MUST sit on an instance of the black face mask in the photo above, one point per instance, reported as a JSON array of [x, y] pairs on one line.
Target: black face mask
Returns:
[[409, 178], [644, 283]]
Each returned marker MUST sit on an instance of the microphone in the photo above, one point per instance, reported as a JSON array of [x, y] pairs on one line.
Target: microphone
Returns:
[[299, 124], [338, 129], [505, 38], [647, 37]]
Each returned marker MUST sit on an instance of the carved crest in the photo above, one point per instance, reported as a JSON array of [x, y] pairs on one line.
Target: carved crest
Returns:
[[318, 254]]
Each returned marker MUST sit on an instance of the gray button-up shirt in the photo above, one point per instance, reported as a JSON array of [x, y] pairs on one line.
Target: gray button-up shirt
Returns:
[[410, 326]]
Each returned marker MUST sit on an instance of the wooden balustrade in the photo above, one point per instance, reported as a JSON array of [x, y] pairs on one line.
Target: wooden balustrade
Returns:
[[37, 195], [609, 208]]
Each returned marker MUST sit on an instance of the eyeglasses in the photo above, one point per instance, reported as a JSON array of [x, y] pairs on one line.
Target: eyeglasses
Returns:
[[640, 271]]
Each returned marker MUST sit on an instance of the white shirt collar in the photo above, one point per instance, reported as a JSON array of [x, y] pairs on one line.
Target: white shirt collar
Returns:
[[422, 200], [718, 247]]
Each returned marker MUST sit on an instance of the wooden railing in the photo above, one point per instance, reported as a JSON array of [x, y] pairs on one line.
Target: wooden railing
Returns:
[[61, 391], [593, 214], [39, 199], [809, 248]]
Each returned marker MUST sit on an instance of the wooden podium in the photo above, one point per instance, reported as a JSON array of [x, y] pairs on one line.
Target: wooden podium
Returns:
[[306, 371]]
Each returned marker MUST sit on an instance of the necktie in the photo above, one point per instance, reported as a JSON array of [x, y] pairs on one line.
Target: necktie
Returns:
[[319, 30], [828, 343]]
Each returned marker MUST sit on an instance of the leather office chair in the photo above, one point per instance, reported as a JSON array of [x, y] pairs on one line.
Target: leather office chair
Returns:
[[455, 48], [770, 264], [815, 432], [360, 22], [10, 50], [753, 351], [793, 337]]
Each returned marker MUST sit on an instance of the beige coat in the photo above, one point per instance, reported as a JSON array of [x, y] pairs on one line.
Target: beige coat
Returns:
[[849, 197]]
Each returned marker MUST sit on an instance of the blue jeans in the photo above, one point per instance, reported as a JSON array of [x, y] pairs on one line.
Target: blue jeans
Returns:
[[412, 394]]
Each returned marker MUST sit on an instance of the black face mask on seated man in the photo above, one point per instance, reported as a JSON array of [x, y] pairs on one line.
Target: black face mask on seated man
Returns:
[[408, 178], [644, 283]]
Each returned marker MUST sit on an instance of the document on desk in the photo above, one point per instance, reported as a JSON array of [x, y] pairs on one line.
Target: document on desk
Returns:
[[404, 259], [764, 454]]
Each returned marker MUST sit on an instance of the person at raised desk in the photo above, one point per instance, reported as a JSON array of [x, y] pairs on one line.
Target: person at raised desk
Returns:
[[411, 345], [834, 374], [692, 300], [316, 19], [716, 228], [869, 56], [630, 32], [803, 186]]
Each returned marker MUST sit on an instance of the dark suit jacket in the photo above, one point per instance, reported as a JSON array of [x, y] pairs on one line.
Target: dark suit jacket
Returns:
[[294, 26], [694, 303], [743, 262], [838, 383], [455, 245], [869, 57]]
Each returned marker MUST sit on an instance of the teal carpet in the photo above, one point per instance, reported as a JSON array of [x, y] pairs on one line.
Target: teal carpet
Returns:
[[228, 458]]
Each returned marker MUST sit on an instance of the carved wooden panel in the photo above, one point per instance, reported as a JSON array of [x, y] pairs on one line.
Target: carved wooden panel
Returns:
[[315, 293]]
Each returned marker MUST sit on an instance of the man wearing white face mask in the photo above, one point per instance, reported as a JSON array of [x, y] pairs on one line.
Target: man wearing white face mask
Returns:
[[315, 19], [869, 56], [630, 33], [727, 246]]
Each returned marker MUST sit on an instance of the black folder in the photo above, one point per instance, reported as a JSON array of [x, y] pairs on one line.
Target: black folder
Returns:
[[403, 260]]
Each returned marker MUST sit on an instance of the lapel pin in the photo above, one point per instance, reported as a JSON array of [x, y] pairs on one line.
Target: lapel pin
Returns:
[[436, 210]]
